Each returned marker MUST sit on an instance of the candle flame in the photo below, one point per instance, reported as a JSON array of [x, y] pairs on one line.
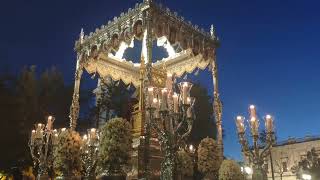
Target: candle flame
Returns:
[[252, 107], [50, 118], [63, 129], [150, 89], [33, 131], [268, 116], [93, 130]]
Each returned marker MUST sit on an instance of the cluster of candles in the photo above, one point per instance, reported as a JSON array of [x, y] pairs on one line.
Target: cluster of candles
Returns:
[[45, 132], [91, 138], [166, 100], [254, 122]]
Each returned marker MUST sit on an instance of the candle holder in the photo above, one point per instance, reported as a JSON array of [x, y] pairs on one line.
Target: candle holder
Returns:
[[42, 142], [89, 152], [174, 123], [257, 153]]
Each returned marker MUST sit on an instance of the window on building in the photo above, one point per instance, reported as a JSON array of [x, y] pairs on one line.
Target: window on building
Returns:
[[284, 166]]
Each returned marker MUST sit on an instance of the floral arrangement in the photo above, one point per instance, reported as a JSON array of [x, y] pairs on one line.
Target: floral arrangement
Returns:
[[67, 160], [208, 157], [184, 163], [115, 146], [230, 170]]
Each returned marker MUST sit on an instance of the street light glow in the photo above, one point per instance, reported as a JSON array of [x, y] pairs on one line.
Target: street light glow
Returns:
[[306, 176]]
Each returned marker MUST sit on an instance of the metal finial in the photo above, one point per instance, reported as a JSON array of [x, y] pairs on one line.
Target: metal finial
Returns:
[[212, 31], [81, 36]]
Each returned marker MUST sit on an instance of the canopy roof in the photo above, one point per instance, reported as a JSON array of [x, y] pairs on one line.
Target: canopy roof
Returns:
[[193, 47]]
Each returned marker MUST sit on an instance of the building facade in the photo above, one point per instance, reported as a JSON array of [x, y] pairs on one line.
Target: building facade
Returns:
[[286, 154]]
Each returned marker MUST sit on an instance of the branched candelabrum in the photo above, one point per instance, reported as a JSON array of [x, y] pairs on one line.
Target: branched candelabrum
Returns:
[[42, 141], [89, 153], [171, 117], [257, 153]]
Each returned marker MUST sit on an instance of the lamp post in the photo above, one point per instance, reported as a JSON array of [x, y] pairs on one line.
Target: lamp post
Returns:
[[89, 152], [42, 141], [255, 154], [171, 116]]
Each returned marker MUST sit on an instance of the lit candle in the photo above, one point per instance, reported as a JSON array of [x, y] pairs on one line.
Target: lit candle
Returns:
[[169, 82], [55, 137], [164, 99], [49, 123], [185, 88], [150, 96], [33, 134], [63, 129], [253, 112], [269, 123], [240, 124], [92, 134], [254, 123], [85, 139], [175, 103]]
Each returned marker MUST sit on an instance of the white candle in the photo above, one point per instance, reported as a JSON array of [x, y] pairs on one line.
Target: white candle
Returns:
[[240, 124], [150, 96], [175, 103], [269, 123], [164, 99], [254, 125], [253, 112], [33, 133]]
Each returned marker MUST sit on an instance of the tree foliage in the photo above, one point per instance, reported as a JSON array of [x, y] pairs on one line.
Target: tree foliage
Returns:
[[230, 170], [67, 154], [184, 163], [309, 165], [208, 157], [27, 98], [115, 145]]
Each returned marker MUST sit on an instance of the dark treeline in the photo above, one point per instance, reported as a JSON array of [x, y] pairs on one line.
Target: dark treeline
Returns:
[[25, 99]]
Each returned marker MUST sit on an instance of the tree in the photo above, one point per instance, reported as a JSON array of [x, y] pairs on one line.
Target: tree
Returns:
[[115, 146], [208, 158], [310, 165], [67, 160], [204, 124], [184, 163], [230, 170]]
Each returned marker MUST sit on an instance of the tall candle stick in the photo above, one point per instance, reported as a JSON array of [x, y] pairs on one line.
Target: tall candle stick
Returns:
[[175, 103], [164, 99]]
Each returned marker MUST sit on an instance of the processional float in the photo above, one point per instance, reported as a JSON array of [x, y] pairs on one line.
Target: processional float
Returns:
[[189, 48]]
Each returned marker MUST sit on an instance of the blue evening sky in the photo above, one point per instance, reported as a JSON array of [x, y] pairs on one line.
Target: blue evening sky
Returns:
[[269, 53]]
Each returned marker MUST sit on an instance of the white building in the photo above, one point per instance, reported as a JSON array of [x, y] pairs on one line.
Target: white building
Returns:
[[287, 154]]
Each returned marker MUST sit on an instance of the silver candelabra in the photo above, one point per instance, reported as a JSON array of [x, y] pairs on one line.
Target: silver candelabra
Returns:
[[171, 116], [42, 141], [256, 154]]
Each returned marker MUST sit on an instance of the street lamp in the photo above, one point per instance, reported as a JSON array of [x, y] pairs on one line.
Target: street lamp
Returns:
[[255, 153], [171, 116], [306, 177]]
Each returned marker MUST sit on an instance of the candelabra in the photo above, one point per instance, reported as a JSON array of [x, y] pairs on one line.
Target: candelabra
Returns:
[[89, 153], [256, 153], [41, 144], [171, 117]]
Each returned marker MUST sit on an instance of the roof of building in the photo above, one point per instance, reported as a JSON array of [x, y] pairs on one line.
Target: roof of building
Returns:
[[292, 140]]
